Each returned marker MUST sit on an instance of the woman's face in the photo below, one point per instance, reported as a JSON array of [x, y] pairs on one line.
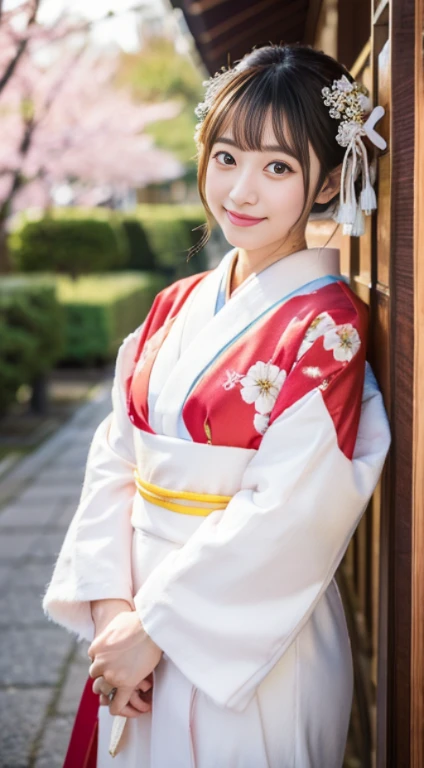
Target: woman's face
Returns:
[[267, 185]]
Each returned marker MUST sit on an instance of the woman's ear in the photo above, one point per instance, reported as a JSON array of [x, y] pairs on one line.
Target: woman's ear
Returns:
[[331, 185]]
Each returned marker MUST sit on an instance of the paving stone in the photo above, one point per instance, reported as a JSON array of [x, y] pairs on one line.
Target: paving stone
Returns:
[[23, 513], [74, 460], [81, 650], [57, 473], [63, 485], [21, 715], [33, 657], [37, 494], [47, 546], [14, 546], [6, 574], [55, 742], [64, 518], [41, 494], [21, 607], [74, 685], [36, 573]]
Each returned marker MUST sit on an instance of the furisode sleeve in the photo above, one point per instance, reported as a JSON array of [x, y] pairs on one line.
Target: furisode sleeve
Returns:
[[227, 605], [95, 559]]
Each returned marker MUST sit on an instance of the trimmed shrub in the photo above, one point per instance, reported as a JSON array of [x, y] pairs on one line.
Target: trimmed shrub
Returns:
[[70, 241], [169, 230], [101, 311], [141, 255], [31, 332]]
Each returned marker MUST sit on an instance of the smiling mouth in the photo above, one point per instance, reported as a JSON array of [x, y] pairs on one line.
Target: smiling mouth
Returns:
[[243, 216], [238, 220]]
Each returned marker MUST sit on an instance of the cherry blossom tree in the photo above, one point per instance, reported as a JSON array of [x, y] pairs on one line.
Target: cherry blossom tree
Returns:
[[63, 122]]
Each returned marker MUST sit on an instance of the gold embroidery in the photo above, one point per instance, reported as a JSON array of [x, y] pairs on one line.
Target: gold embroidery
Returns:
[[208, 432]]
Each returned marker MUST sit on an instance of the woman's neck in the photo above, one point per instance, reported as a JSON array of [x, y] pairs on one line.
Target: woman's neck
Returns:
[[246, 263]]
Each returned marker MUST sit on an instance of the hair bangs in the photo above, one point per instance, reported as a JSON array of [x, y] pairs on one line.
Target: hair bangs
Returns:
[[246, 113]]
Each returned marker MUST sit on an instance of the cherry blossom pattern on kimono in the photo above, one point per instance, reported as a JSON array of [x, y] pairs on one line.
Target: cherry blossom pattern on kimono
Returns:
[[234, 400]]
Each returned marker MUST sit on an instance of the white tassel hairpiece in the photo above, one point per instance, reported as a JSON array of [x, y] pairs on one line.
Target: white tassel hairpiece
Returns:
[[350, 103]]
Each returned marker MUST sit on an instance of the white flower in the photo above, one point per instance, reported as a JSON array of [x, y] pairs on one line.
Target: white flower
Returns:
[[312, 370], [343, 340], [364, 102], [348, 129], [343, 84], [319, 326], [261, 385], [233, 378], [260, 422]]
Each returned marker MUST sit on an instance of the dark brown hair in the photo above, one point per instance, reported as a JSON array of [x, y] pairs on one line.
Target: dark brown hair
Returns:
[[287, 79]]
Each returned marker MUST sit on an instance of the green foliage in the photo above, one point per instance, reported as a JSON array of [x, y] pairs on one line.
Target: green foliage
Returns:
[[70, 240], [141, 255], [31, 332], [176, 136], [170, 232], [157, 73], [101, 311]]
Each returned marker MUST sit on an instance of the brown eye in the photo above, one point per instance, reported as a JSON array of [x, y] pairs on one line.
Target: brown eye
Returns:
[[280, 168], [227, 158]]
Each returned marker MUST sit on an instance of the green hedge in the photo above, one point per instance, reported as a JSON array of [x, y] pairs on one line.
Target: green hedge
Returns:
[[169, 229], [101, 311], [70, 240], [31, 332], [141, 255], [78, 241]]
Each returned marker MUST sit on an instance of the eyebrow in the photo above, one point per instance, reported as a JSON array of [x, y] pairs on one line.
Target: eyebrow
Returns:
[[266, 148]]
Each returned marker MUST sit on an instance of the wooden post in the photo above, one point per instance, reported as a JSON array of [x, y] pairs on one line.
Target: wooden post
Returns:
[[417, 618]]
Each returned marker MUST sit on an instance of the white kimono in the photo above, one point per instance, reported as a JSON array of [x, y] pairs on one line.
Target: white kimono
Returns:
[[257, 668]]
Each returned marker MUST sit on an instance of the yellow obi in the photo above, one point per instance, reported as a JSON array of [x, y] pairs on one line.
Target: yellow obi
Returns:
[[163, 497]]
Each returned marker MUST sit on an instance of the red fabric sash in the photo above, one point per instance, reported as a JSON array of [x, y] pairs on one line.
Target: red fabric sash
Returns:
[[82, 749]]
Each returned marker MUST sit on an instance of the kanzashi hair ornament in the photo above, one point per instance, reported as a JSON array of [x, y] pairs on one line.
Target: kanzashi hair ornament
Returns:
[[350, 103], [213, 86]]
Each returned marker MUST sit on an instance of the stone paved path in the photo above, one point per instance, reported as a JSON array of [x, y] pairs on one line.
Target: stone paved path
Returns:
[[42, 668]]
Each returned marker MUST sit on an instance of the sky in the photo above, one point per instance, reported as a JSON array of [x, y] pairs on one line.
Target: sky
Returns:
[[120, 29]]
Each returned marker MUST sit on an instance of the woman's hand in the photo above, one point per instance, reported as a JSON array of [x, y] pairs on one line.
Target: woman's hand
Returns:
[[140, 701], [124, 655]]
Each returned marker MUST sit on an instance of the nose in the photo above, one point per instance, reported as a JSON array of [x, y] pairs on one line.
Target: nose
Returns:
[[243, 189]]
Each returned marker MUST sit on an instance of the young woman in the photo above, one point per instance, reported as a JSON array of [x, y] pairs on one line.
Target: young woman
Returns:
[[246, 439]]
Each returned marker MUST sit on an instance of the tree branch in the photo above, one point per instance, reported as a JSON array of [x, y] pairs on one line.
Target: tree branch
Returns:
[[20, 50]]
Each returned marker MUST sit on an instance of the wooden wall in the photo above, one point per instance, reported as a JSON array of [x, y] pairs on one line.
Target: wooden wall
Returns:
[[417, 634], [382, 575]]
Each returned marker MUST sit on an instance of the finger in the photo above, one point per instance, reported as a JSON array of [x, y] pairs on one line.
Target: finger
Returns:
[[120, 700], [146, 696], [139, 704], [95, 669], [129, 711], [91, 652], [101, 686], [145, 685]]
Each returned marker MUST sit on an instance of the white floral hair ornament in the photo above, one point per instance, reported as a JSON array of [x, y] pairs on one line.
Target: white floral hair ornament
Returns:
[[213, 86], [350, 104]]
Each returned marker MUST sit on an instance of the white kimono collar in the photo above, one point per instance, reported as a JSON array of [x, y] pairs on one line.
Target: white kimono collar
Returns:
[[198, 335], [293, 271]]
